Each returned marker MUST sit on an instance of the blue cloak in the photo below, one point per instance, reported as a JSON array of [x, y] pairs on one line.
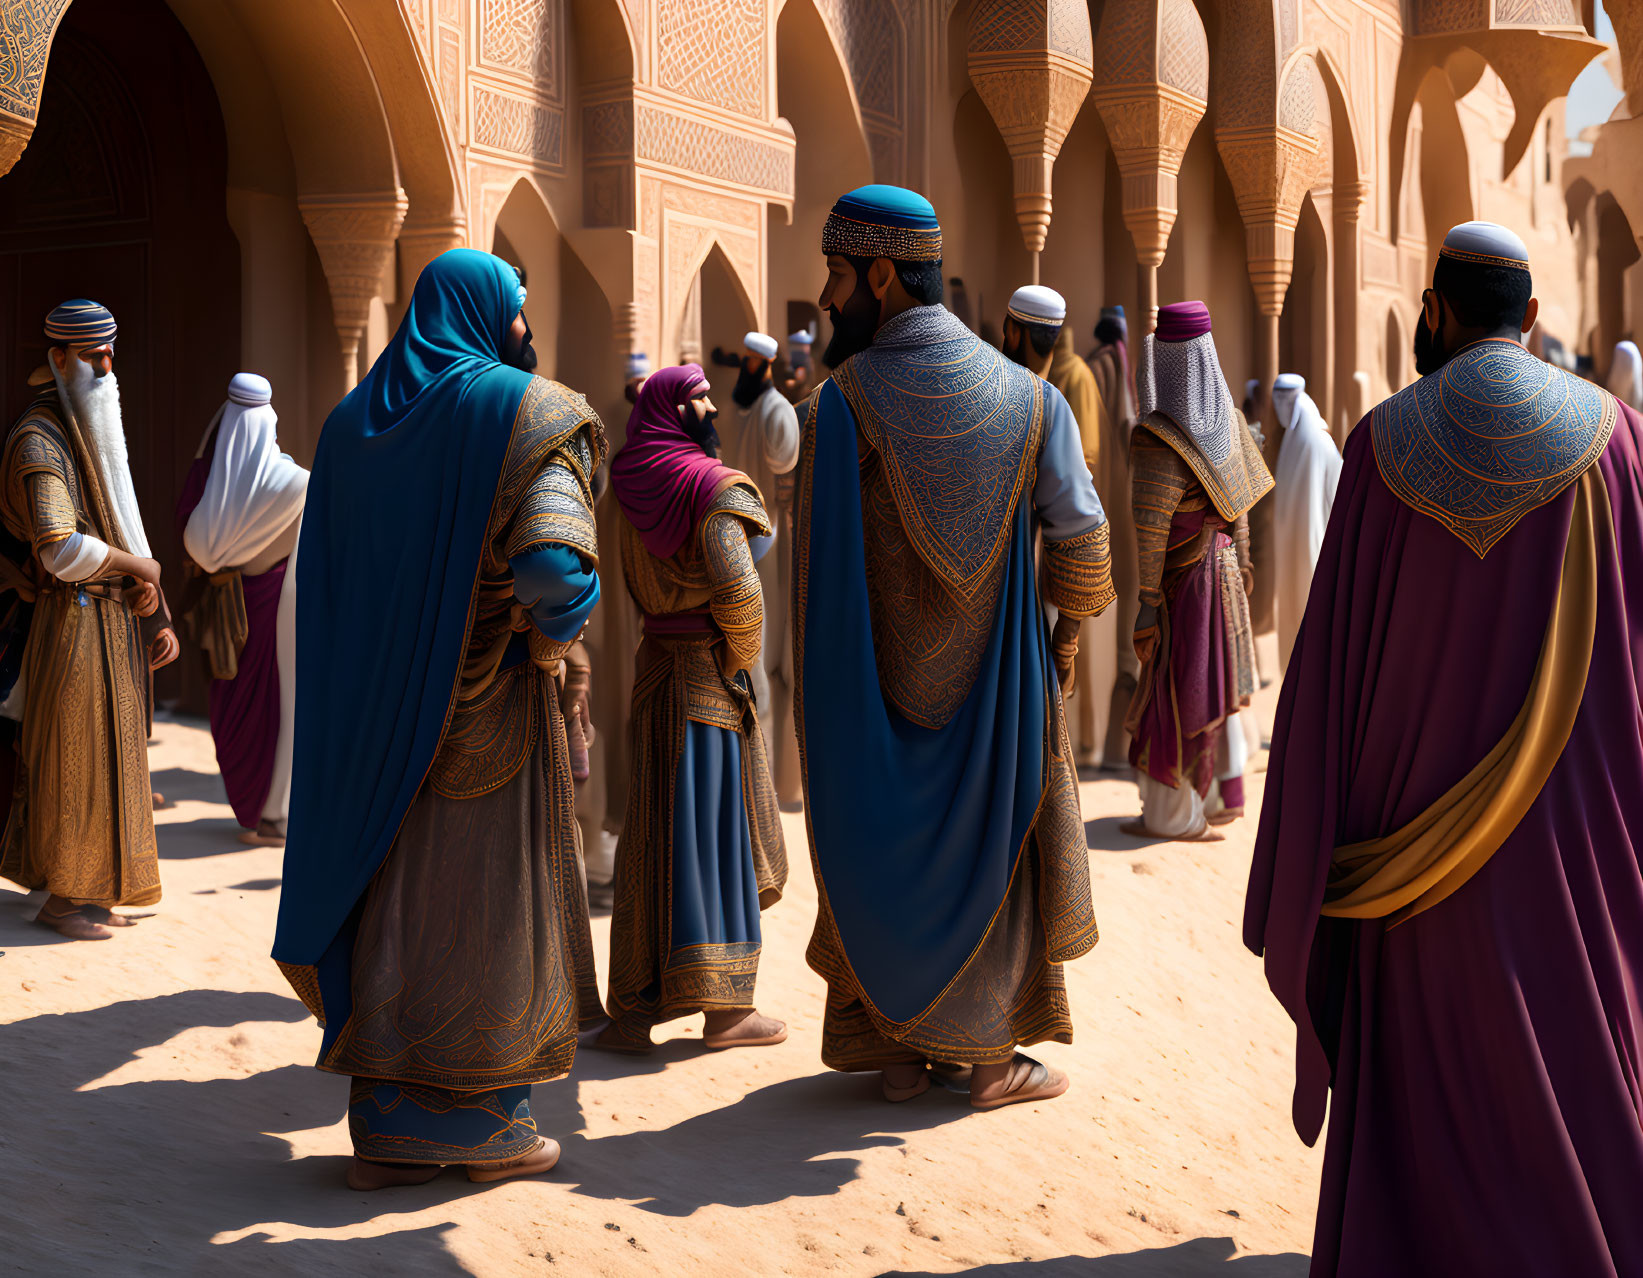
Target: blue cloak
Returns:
[[404, 480], [916, 830]]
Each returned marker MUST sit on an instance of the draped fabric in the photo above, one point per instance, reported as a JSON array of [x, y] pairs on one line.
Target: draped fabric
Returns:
[[916, 831], [663, 477], [245, 711], [1481, 1060], [251, 494], [404, 480], [1309, 467]]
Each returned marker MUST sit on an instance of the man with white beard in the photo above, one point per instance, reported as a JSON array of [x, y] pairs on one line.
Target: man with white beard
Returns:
[[81, 825]]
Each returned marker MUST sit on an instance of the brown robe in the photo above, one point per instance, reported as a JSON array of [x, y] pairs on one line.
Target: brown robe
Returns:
[[82, 818]]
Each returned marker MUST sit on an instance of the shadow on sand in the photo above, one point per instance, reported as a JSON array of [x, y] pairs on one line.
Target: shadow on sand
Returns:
[[1200, 1258], [159, 1168]]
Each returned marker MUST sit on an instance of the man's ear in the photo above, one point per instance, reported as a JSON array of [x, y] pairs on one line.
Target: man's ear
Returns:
[[880, 275], [59, 358], [1531, 313], [1429, 306]]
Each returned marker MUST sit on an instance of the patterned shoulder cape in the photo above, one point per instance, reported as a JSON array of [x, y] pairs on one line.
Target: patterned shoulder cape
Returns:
[[958, 428], [1489, 437]]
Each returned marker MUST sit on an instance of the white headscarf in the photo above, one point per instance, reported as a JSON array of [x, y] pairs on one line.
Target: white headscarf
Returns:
[[1626, 375], [1309, 467], [254, 492]]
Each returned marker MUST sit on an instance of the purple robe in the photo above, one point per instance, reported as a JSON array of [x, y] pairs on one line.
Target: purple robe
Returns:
[[1189, 690], [1482, 1059], [245, 710]]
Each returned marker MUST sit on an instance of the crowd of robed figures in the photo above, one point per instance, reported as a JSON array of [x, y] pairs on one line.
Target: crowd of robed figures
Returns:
[[1444, 866]]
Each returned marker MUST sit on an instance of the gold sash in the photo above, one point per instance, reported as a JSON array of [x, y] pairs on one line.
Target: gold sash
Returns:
[[1399, 875], [217, 622]]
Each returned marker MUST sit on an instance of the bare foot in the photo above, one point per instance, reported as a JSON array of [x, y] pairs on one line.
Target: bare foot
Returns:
[[742, 1027], [102, 914], [903, 1082], [268, 834], [364, 1175], [615, 1038], [67, 919], [544, 1158], [159, 800], [1022, 1079]]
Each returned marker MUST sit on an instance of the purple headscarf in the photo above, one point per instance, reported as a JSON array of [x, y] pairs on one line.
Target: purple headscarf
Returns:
[[662, 477]]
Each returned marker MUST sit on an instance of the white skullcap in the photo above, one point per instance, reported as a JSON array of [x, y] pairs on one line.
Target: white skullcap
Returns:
[[1289, 382], [1485, 244], [638, 365], [761, 344], [249, 389], [1036, 304], [1251, 386], [801, 338]]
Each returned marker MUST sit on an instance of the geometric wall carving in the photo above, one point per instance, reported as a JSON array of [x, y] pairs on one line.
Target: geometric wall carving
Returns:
[[518, 126], [714, 51], [521, 36], [695, 146], [26, 28]]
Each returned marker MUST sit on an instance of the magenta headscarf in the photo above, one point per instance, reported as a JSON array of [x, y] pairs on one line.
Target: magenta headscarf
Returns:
[[662, 477]]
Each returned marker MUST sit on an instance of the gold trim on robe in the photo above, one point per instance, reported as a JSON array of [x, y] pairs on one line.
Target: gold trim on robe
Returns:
[[1412, 869]]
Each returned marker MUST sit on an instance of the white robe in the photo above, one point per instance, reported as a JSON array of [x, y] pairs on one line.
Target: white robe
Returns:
[[1626, 375], [1309, 466], [248, 518]]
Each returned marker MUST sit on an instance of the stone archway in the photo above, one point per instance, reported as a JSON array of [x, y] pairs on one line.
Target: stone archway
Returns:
[[1304, 328], [1617, 251], [815, 96]]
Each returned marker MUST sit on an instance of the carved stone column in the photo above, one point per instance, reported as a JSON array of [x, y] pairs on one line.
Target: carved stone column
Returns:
[[1349, 201], [354, 237], [1152, 88], [1031, 63]]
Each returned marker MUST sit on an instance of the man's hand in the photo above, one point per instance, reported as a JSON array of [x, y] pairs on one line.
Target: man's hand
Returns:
[[1064, 650], [1146, 633], [1249, 581], [165, 649], [143, 599]]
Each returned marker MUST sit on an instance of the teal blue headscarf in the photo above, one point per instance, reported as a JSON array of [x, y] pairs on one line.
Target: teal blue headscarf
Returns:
[[401, 493]]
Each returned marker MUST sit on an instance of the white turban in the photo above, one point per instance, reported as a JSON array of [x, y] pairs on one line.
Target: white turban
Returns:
[[254, 492], [1036, 304]]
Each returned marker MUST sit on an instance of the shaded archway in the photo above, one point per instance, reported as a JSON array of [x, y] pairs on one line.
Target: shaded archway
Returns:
[[1304, 330], [527, 236], [725, 314], [815, 96], [120, 197], [1617, 250]]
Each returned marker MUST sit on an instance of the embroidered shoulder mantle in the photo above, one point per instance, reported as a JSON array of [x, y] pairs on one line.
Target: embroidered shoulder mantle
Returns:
[[957, 426], [1488, 438], [1234, 482]]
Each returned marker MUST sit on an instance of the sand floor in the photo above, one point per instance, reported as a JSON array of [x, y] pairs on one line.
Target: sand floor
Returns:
[[161, 1115]]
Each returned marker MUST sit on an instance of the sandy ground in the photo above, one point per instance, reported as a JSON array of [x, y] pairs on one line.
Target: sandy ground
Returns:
[[161, 1116]]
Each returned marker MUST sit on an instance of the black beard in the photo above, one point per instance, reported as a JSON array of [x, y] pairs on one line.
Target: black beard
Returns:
[[701, 430], [854, 326], [1017, 351], [749, 386], [1429, 353], [526, 358]]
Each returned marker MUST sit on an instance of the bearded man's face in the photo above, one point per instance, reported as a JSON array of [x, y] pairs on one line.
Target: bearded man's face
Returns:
[[854, 323]]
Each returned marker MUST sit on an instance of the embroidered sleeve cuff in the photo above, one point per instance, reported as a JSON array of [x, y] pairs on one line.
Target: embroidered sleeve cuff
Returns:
[[1080, 572]]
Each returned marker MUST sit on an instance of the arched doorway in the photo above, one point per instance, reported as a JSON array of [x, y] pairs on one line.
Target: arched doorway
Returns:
[[725, 315], [1617, 251], [120, 197], [1304, 328]]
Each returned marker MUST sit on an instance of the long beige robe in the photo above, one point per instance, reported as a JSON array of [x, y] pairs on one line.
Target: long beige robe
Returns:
[[82, 818]]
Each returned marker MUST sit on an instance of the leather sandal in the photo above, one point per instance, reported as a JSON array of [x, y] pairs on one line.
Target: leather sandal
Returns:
[[1037, 1083]]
